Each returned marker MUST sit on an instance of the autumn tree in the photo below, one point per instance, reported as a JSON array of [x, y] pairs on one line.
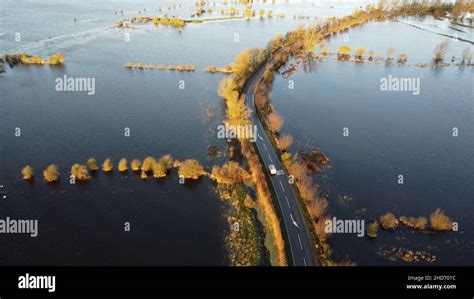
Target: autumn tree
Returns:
[[136, 164], [440, 51], [191, 169], [388, 221], [344, 52], [275, 122], [122, 166], [51, 173], [317, 207], [285, 141], [148, 163], [27, 172], [230, 173], [92, 164], [107, 166], [79, 172], [440, 222]]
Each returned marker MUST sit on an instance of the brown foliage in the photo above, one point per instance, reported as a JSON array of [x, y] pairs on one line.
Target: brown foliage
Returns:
[[51, 173], [275, 122], [191, 169], [230, 173], [285, 141], [27, 172], [440, 222], [80, 172], [108, 165], [388, 221]]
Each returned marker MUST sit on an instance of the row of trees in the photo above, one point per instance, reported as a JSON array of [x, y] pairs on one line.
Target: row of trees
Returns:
[[188, 169]]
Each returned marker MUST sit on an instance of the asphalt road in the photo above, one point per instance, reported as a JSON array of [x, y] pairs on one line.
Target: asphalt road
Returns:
[[293, 222]]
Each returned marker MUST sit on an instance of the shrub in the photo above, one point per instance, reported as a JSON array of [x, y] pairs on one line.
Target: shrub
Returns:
[[440, 51], [230, 173], [57, 58], [135, 165], [27, 172], [148, 163], [51, 173], [285, 141], [122, 166], [159, 170], [275, 122], [166, 161], [359, 52], [107, 166], [344, 52], [92, 164], [372, 230], [191, 169], [388, 221], [79, 172], [317, 207], [420, 223], [402, 58], [440, 222], [390, 53]]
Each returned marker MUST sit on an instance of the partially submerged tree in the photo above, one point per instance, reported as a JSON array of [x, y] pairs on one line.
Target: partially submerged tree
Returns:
[[388, 221], [344, 52], [148, 163], [107, 166], [191, 169], [440, 51], [51, 173], [317, 207], [122, 166], [136, 164], [80, 172], [92, 164], [440, 222], [27, 172], [372, 230]]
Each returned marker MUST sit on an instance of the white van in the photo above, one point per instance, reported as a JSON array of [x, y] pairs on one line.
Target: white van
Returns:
[[272, 169]]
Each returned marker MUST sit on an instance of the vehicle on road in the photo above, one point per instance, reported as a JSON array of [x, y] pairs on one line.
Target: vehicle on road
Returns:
[[272, 169]]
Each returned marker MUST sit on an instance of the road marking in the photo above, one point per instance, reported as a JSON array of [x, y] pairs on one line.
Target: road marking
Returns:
[[287, 202], [301, 246], [265, 146], [304, 261], [294, 222], [282, 187], [270, 158], [260, 137]]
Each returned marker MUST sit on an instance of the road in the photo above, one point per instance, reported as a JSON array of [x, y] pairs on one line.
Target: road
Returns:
[[293, 221]]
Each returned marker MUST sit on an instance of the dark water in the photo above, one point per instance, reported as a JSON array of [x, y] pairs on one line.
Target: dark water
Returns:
[[391, 133], [83, 224]]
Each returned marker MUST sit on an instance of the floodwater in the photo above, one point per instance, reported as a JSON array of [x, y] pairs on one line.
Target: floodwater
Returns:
[[83, 224], [390, 134]]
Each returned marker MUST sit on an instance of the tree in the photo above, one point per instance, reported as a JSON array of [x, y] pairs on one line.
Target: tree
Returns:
[[148, 163], [27, 172], [275, 122], [191, 169], [359, 52], [390, 52], [285, 141], [466, 55], [249, 202], [320, 228], [440, 222], [310, 39], [317, 207], [122, 166], [402, 58], [79, 172], [372, 230], [57, 58], [92, 164], [51, 173], [230, 173], [107, 166], [440, 51], [388, 221], [135, 165], [166, 161], [159, 170], [344, 52]]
